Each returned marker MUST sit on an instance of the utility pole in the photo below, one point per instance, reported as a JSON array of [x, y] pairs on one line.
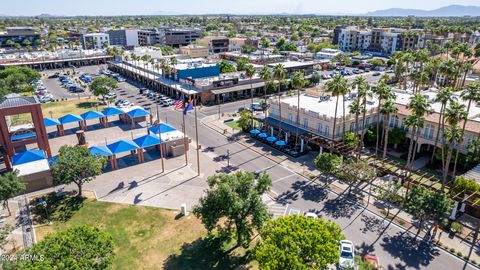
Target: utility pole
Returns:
[[185, 143], [160, 137], [196, 138]]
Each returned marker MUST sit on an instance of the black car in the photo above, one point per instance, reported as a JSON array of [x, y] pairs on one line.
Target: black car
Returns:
[[76, 89], [54, 75]]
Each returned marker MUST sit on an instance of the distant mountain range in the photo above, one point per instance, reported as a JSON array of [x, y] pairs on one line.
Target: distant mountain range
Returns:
[[448, 11]]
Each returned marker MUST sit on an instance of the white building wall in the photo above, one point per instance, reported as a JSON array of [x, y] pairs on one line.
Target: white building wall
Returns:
[[131, 37]]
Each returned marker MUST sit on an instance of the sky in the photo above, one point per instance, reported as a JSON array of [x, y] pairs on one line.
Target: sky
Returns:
[[161, 7]]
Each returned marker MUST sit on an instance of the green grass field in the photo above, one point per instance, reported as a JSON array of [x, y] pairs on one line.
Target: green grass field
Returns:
[[145, 237]]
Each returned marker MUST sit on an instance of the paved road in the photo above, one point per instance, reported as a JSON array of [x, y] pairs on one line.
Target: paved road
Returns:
[[395, 248]]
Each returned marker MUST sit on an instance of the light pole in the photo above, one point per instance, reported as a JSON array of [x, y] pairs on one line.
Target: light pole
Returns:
[[196, 138], [228, 158]]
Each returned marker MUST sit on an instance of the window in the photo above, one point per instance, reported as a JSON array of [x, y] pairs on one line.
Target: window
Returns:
[[327, 131], [290, 118], [319, 128], [305, 123], [393, 121], [429, 130]]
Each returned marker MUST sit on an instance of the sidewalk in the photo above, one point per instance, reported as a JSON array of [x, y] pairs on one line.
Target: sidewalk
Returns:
[[460, 246]]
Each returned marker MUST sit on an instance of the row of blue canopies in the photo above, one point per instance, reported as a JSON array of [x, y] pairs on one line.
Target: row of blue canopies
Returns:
[[115, 148], [110, 111], [265, 136]]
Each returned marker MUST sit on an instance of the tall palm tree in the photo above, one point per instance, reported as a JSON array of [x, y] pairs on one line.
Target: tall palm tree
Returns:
[[265, 75], [298, 82], [444, 96], [388, 108], [470, 94], [454, 113], [336, 87], [279, 74], [383, 91], [356, 107], [419, 107]]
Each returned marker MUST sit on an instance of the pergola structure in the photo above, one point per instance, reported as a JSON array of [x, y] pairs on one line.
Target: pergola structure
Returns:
[[10, 139]]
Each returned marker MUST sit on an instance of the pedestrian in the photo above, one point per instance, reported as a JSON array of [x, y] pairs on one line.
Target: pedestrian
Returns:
[[435, 230]]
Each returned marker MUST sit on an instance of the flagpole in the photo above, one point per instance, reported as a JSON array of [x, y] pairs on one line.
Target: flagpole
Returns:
[[196, 138], [184, 130], [160, 137]]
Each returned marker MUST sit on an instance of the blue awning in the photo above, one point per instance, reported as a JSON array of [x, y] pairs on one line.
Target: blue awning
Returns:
[[163, 128], [112, 111], [285, 126], [69, 118], [254, 131], [91, 115], [271, 139], [138, 113], [280, 143], [122, 146], [51, 122], [263, 135], [28, 156], [100, 150], [147, 141], [23, 136]]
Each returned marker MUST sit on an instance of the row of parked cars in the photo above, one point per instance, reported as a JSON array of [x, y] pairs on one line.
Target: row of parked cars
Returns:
[[70, 85], [116, 76], [41, 92], [163, 100]]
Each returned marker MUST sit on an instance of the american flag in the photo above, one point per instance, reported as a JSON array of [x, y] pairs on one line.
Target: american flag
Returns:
[[179, 104]]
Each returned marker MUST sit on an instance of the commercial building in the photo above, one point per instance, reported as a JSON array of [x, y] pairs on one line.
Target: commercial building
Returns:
[[176, 37], [194, 51], [293, 66], [150, 36], [95, 41], [124, 37], [327, 53], [19, 35], [259, 57]]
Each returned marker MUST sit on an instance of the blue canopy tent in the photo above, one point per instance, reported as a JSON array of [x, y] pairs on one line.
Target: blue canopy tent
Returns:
[[121, 147], [144, 142], [280, 143], [92, 115], [254, 131], [51, 122], [69, 118], [137, 113], [28, 156], [100, 150], [163, 128], [110, 111], [271, 139], [263, 135]]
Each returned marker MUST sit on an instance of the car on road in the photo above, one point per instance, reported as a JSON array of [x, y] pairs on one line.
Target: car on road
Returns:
[[347, 255], [311, 215], [372, 260], [257, 107], [376, 73], [54, 75]]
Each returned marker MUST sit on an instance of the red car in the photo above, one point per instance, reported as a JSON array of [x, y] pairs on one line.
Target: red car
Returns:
[[373, 261]]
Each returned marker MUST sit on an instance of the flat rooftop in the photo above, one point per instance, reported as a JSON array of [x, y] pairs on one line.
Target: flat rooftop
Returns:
[[293, 64]]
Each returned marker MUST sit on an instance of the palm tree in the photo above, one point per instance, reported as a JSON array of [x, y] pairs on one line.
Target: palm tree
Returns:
[[279, 73], [298, 82], [336, 87], [419, 107], [470, 94], [383, 91], [453, 115], [444, 96], [388, 108], [356, 106], [249, 73], [265, 75]]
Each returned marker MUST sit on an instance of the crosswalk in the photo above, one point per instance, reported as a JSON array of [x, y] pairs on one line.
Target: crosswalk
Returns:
[[276, 209]]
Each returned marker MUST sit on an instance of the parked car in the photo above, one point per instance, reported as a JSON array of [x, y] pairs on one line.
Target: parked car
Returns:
[[376, 73], [257, 107], [311, 215], [76, 89], [373, 261], [46, 98], [110, 95], [146, 92], [347, 255], [54, 75], [142, 90], [123, 103], [167, 102], [325, 77]]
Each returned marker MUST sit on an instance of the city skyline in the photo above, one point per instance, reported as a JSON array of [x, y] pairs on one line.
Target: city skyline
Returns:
[[147, 7]]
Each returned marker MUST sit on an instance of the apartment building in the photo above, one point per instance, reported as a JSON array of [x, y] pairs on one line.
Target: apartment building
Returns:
[[177, 37], [124, 37], [95, 41], [317, 113], [19, 35], [151, 36]]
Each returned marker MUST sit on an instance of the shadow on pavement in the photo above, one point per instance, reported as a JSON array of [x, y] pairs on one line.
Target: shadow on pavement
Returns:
[[341, 207], [306, 189], [413, 252]]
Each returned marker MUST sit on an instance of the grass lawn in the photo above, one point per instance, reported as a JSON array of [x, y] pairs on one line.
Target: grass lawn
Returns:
[[233, 124], [75, 106], [145, 237]]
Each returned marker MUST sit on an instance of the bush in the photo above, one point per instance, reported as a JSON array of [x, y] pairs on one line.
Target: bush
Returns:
[[459, 254], [473, 261], [465, 257], [457, 227], [452, 250]]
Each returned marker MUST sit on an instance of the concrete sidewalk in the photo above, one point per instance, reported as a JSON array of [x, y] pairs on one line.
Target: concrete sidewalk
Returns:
[[459, 245]]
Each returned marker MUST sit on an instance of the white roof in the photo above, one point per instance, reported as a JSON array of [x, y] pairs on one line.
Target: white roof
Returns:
[[32, 167]]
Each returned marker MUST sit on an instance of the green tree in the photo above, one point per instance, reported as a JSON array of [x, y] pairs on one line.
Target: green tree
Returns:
[[328, 163], [10, 186], [235, 199], [396, 137], [426, 204], [388, 193], [101, 86], [355, 171], [242, 63], [298, 242], [245, 119], [226, 67], [350, 139], [76, 164], [473, 154], [81, 247], [388, 108]]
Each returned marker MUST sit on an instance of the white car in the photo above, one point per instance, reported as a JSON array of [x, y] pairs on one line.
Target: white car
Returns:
[[311, 215], [347, 255]]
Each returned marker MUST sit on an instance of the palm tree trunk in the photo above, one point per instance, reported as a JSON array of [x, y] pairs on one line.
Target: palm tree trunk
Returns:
[[378, 125], [415, 149], [447, 163], [362, 136], [461, 138], [410, 146], [438, 133], [335, 120], [387, 128], [343, 128]]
